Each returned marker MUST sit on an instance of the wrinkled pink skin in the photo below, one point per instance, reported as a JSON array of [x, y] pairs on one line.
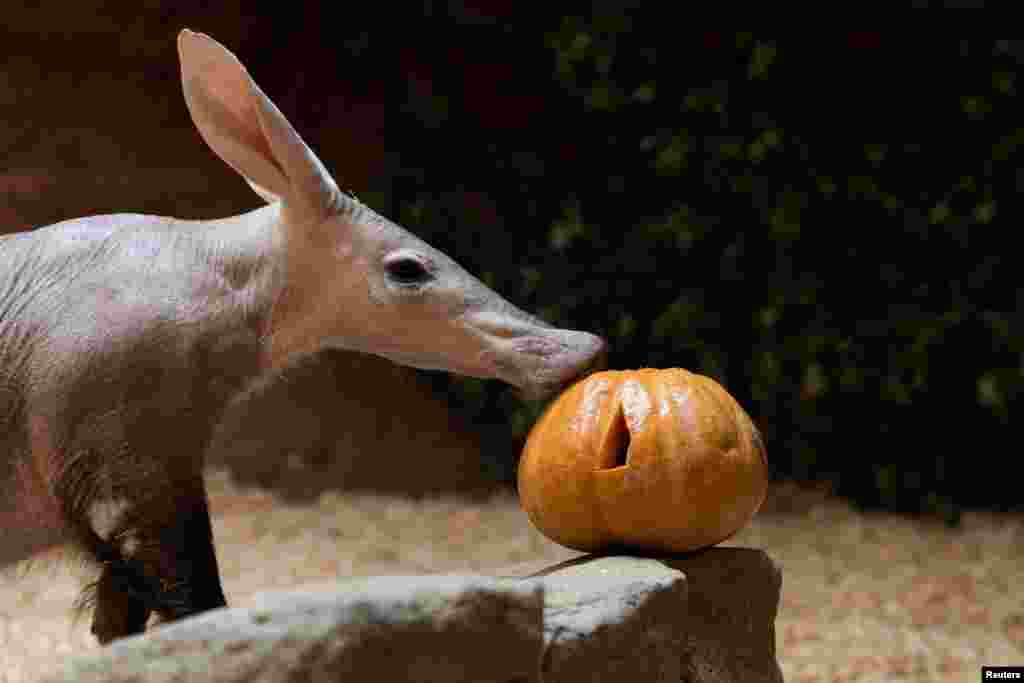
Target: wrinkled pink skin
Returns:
[[124, 337]]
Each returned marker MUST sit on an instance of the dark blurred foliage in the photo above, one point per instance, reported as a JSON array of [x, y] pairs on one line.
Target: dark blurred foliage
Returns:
[[823, 223]]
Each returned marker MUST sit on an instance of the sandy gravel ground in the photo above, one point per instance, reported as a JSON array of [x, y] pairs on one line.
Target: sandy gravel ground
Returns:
[[865, 597]]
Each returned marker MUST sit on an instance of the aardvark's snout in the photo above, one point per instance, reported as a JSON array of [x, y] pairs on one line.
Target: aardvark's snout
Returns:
[[542, 365], [589, 353]]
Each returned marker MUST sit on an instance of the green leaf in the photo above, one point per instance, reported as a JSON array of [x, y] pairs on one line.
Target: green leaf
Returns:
[[761, 58]]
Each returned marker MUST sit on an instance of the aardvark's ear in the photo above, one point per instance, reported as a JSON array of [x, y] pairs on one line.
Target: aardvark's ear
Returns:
[[248, 131]]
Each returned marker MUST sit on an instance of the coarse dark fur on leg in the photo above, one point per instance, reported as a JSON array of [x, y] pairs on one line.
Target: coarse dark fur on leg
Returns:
[[159, 560]]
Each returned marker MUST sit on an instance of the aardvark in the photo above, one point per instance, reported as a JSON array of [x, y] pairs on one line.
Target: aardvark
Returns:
[[123, 338]]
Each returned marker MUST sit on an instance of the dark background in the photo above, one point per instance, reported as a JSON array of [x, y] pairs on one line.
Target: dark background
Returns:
[[823, 222]]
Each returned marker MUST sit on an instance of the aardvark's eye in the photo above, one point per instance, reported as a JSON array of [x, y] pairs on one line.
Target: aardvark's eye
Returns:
[[407, 270]]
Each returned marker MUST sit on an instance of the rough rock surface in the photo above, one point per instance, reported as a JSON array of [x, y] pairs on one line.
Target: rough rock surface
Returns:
[[707, 618]]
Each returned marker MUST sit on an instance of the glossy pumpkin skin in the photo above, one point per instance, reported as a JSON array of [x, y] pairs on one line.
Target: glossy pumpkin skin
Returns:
[[652, 460]]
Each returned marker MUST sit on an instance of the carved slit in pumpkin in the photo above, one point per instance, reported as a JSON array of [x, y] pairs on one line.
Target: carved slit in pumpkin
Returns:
[[615, 450]]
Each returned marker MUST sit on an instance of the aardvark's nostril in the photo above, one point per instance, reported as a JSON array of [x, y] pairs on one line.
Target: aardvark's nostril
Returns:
[[596, 359], [600, 359]]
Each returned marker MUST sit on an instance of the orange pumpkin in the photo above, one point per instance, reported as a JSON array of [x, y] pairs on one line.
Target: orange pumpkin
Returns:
[[651, 460]]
